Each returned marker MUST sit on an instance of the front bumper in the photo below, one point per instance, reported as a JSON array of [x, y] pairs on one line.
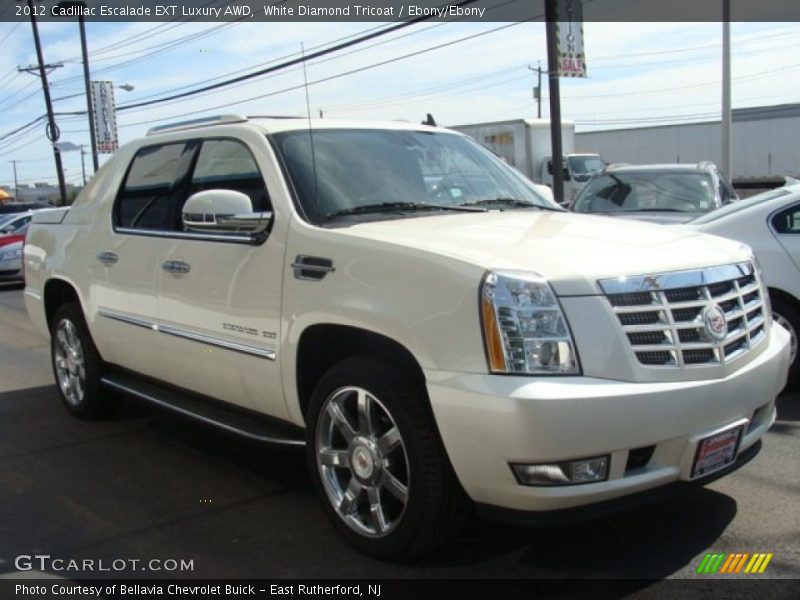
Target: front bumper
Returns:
[[490, 421], [11, 270]]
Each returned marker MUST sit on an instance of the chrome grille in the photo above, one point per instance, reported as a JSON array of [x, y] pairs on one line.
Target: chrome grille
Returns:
[[664, 315]]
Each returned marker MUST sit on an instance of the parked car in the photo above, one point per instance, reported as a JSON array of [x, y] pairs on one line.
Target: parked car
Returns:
[[658, 193], [15, 223], [11, 258], [434, 348], [770, 224]]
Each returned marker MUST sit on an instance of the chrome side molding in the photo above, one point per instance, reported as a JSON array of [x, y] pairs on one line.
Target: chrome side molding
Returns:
[[190, 335]]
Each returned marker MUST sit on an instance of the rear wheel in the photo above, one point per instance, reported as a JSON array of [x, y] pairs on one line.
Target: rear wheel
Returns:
[[77, 365], [378, 463], [788, 316]]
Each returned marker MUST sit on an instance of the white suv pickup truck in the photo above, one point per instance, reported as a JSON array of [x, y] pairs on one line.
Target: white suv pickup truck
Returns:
[[408, 307]]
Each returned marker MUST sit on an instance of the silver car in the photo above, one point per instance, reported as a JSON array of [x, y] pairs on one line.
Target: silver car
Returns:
[[674, 193]]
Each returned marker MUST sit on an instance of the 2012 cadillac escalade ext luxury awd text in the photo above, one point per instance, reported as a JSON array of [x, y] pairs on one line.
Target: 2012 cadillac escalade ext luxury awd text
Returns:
[[409, 308]]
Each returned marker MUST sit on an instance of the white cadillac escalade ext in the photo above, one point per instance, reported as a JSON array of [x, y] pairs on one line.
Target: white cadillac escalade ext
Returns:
[[408, 307]]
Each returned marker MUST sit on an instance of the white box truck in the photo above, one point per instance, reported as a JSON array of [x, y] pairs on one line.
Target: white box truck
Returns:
[[526, 144]]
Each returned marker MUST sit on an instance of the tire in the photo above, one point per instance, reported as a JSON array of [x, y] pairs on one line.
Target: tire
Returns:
[[787, 314], [385, 480], [77, 365]]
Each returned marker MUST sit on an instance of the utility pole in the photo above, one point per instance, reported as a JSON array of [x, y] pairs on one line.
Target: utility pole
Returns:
[[52, 128], [551, 16], [88, 84], [727, 154], [16, 185], [83, 164], [537, 91]]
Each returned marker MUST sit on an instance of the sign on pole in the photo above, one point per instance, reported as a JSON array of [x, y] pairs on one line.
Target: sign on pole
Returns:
[[571, 58], [105, 118]]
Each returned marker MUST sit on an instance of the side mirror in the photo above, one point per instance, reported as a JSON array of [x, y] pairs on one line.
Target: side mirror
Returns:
[[8, 229], [223, 211]]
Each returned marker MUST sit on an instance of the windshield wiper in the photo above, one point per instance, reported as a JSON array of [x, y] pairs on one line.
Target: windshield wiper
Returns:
[[392, 206], [510, 202]]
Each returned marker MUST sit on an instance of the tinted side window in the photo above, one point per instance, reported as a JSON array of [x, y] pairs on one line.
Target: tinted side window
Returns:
[[145, 201], [787, 221], [229, 165]]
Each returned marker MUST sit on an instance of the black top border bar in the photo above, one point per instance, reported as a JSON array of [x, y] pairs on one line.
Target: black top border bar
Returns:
[[392, 10]]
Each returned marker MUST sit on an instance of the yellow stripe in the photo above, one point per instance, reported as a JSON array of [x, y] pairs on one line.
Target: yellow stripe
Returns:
[[742, 561], [757, 564], [765, 563], [728, 562], [752, 562]]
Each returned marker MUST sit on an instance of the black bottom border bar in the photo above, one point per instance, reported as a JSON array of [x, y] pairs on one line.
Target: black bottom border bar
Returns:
[[13, 586]]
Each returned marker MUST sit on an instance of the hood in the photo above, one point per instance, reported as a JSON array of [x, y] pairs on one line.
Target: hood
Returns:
[[572, 251]]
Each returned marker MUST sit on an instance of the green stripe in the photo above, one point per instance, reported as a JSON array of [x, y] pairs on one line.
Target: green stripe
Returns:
[[702, 566], [716, 564]]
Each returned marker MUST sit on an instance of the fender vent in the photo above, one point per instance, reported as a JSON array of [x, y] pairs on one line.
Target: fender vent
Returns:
[[311, 268]]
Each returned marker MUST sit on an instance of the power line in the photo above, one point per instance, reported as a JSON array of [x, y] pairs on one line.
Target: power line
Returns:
[[156, 49], [337, 76], [322, 45], [12, 30], [288, 63], [26, 126], [138, 37]]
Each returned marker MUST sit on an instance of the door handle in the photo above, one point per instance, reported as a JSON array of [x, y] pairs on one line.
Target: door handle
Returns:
[[107, 258], [176, 267]]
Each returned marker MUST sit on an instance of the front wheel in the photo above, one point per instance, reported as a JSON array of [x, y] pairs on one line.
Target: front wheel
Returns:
[[377, 461], [788, 316], [77, 365]]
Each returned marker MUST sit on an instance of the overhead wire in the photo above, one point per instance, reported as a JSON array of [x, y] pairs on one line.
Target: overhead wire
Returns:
[[335, 76], [312, 48], [288, 63]]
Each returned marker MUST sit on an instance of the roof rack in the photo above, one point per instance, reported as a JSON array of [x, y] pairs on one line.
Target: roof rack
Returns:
[[193, 123]]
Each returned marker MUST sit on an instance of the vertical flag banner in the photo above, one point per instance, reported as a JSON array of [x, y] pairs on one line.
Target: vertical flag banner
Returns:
[[105, 118], [571, 57]]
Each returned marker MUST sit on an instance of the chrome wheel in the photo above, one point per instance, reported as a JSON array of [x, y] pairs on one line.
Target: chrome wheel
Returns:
[[362, 461], [70, 365], [784, 322]]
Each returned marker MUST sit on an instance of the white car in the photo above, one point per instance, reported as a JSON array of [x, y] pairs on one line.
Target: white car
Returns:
[[435, 348], [770, 224]]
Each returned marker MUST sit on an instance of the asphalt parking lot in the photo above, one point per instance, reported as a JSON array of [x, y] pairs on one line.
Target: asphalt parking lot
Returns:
[[145, 484]]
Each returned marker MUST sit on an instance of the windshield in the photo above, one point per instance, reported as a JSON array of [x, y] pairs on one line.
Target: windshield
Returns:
[[7, 218], [586, 165], [383, 171], [647, 191]]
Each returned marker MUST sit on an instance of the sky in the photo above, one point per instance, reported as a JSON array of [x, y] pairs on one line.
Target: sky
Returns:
[[638, 74]]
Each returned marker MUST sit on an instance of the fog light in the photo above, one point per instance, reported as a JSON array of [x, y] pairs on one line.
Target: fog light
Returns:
[[585, 470]]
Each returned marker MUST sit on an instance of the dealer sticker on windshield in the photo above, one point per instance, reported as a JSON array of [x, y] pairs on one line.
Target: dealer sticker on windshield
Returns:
[[716, 451]]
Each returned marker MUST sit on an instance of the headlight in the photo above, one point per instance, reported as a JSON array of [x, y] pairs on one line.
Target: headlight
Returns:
[[524, 328], [11, 254]]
